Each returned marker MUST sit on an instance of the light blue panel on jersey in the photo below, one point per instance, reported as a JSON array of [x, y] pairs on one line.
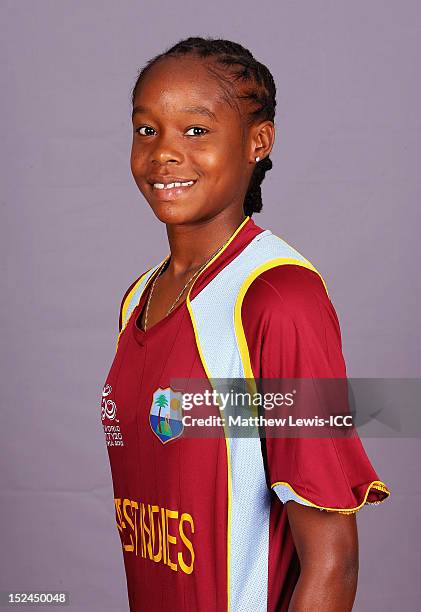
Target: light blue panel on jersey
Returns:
[[213, 312], [137, 294], [285, 494]]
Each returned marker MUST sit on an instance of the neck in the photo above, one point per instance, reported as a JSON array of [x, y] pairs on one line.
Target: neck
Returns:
[[191, 245]]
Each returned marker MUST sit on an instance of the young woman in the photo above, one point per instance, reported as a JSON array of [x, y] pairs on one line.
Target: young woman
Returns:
[[216, 523]]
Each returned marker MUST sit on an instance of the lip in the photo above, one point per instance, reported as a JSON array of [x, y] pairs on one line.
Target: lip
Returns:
[[167, 178], [164, 195]]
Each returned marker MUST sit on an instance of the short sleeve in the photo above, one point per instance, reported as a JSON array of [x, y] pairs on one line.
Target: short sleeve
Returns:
[[292, 331]]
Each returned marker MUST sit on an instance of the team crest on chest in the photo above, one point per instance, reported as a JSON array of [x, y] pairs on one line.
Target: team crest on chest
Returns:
[[166, 413]]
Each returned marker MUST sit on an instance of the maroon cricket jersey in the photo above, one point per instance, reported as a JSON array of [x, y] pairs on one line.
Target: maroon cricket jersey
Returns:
[[171, 496]]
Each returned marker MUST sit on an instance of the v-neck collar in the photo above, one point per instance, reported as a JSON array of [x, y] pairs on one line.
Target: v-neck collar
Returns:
[[239, 239]]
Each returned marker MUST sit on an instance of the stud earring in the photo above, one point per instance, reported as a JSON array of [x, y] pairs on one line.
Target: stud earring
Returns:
[[257, 159]]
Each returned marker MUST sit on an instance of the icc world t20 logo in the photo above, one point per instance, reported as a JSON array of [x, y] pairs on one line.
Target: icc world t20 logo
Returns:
[[108, 406], [166, 413], [112, 432]]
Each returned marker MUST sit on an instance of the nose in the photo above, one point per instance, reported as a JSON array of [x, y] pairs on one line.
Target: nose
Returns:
[[166, 150]]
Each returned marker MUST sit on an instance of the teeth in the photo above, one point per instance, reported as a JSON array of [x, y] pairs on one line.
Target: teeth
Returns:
[[172, 185]]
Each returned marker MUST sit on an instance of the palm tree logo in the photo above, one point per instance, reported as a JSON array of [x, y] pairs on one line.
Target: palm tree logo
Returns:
[[161, 401]]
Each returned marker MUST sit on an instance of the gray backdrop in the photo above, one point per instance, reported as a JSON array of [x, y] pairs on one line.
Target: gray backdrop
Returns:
[[344, 190]]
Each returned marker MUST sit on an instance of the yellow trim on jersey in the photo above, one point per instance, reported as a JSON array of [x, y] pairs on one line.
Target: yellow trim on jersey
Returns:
[[208, 374], [130, 295], [238, 323], [229, 479], [376, 484]]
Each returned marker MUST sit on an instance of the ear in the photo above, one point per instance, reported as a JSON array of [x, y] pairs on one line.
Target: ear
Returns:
[[262, 140]]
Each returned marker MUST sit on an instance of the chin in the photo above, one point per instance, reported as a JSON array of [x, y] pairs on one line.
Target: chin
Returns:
[[176, 213]]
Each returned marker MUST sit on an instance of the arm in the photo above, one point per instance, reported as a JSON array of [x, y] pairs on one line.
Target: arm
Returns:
[[327, 547], [293, 332]]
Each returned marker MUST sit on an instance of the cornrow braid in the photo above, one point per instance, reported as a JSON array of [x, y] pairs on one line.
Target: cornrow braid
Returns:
[[245, 82]]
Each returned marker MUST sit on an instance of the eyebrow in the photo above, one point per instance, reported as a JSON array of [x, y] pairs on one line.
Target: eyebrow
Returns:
[[197, 110]]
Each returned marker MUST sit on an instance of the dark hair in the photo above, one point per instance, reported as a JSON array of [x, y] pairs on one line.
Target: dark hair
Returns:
[[256, 86]]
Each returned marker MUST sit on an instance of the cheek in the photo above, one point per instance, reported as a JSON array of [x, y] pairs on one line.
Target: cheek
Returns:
[[211, 161], [137, 162]]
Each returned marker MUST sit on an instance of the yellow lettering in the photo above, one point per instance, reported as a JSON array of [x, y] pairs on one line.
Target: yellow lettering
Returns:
[[187, 569], [158, 555], [170, 538], [142, 535], [148, 531], [164, 535], [119, 521], [135, 514], [154, 533], [128, 547]]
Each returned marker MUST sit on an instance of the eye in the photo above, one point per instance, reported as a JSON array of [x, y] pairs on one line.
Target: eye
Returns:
[[196, 127], [146, 127]]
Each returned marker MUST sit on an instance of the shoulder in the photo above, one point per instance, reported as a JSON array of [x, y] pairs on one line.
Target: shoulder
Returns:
[[290, 324], [286, 290], [292, 300], [127, 295]]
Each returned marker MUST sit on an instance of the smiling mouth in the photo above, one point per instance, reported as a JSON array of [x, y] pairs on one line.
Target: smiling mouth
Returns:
[[170, 191]]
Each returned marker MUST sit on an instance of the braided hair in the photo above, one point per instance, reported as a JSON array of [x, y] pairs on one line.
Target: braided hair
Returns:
[[242, 78]]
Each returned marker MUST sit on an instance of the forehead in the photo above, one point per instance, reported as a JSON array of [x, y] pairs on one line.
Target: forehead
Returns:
[[175, 83]]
